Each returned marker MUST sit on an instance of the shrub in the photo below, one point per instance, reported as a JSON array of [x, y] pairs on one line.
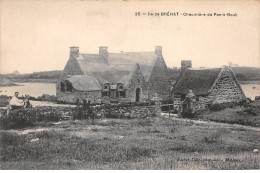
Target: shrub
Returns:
[[83, 113], [17, 119], [4, 101], [79, 114], [221, 106], [47, 97], [188, 113], [22, 118]]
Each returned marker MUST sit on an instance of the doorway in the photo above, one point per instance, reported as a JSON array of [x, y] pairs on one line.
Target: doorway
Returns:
[[137, 94]]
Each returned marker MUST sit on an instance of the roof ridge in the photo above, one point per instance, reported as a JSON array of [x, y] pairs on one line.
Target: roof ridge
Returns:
[[206, 68], [88, 54]]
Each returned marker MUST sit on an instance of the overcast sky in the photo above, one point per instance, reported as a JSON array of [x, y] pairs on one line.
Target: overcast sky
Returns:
[[36, 36]]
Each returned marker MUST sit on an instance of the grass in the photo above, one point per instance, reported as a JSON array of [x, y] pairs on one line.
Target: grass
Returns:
[[152, 143], [236, 115], [245, 114]]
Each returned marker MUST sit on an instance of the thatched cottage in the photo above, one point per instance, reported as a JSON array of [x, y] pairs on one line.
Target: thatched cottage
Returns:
[[210, 85], [120, 77]]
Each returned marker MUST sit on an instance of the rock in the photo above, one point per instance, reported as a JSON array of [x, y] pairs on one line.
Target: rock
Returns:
[[25, 132], [56, 123], [127, 114], [120, 137], [34, 140], [255, 151]]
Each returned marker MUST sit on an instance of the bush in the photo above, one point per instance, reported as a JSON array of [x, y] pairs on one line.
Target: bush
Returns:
[[17, 119], [83, 113], [79, 114], [22, 118], [4, 101], [47, 97], [221, 106], [188, 113]]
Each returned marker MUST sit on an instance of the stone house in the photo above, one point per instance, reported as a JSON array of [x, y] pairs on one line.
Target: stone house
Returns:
[[210, 86], [114, 77]]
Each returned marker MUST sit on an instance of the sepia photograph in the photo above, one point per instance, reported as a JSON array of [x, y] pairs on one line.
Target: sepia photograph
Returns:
[[129, 85]]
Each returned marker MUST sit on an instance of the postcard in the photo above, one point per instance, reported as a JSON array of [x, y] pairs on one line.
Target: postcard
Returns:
[[129, 85]]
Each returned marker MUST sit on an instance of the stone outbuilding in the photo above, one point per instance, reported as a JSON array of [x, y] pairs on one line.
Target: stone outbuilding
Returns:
[[114, 77], [210, 86]]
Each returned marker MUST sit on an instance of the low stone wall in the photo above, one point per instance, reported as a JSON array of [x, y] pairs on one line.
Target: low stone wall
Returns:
[[71, 97], [125, 111]]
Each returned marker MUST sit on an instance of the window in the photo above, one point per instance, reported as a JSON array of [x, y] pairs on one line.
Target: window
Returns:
[[121, 93], [105, 91], [62, 87], [68, 86], [138, 81], [121, 87], [106, 87]]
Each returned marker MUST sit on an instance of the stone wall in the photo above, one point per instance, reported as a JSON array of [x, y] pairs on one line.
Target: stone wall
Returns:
[[226, 89], [71, 97], [202, 102], [137, 81], [126, 111]]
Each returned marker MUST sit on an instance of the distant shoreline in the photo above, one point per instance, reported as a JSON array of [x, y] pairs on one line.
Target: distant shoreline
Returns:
[[9, 85], [250, 82], [13, 82]]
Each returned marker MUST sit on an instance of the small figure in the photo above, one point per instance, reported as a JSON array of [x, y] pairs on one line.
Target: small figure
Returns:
[[15, 102], [189, 101], [26, 101]]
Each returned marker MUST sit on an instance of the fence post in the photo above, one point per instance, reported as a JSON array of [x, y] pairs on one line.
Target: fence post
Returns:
[[169, 110], [157, 100]]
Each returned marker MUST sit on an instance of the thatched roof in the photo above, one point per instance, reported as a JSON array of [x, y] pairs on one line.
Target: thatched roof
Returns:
[[84, 83], [117, 67], [200, 81]]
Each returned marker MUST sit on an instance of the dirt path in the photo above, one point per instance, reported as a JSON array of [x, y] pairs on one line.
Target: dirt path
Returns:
[[226, 125]]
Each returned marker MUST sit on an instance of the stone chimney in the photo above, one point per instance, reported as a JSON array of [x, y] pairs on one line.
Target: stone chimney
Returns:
[[185, 64], [74, 51], [158, 50]]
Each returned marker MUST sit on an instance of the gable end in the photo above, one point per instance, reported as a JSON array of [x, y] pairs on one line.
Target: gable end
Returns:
[[226, 88]]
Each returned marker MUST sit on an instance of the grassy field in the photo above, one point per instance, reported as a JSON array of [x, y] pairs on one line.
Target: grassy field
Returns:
[[248, 114], [151, 143]]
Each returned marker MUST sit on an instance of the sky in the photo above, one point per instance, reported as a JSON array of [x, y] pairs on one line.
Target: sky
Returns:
[[36, 35]]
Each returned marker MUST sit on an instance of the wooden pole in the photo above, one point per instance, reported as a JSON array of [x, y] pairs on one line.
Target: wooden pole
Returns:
[[169, 110]]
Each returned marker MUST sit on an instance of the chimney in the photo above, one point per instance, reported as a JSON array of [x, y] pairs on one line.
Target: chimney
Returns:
[[158, 50], [74, 51], [185, 64]]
